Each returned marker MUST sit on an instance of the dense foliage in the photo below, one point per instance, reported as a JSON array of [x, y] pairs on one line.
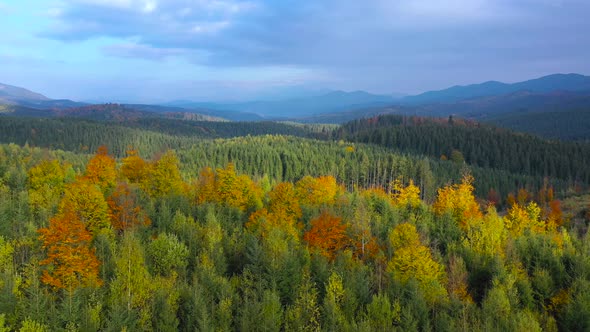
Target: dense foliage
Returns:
[[563, 125], [148, 135], [284, 158], [96, 243], [474, 143]]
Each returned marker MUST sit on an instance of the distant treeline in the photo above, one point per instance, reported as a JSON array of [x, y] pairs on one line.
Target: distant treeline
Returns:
[[148, 135], [476, 144]]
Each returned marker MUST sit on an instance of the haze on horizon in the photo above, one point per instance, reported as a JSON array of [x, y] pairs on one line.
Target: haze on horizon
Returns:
[[156, 50]]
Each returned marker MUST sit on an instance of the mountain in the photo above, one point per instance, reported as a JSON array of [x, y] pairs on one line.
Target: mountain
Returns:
[[110, 112], [13, 95], [556, 115], [555, 82], [22, 102], [335, 101]]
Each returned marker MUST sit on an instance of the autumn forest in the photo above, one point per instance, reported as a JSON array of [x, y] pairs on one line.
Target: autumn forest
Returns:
[[333, 230]]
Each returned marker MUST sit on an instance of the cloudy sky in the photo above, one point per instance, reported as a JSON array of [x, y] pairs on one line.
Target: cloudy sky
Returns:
[[157, 50]]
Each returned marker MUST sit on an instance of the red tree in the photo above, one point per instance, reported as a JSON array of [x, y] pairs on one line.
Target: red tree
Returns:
[[327, 234]]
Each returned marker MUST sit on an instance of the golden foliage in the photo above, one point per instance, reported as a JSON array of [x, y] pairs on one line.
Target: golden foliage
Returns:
[[46, 183], [406, 196], [206, 187], [412, 260], [164, 176], [486, 235], [404, 235], [134, 168], [458, 199], [317, 191], [283, 213], [226, 187], [70, 262], [101, 169], [520, 218], [87, 202]]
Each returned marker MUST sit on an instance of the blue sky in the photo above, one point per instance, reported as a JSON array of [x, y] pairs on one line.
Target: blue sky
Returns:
[[159, 50]]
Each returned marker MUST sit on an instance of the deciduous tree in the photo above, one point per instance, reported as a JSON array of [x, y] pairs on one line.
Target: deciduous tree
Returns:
[[412, 260], [70, 262], [327, 234], [101, 169], [124, 211]]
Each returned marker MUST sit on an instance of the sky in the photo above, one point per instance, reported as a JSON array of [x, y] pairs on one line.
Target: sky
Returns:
[[222, 50]]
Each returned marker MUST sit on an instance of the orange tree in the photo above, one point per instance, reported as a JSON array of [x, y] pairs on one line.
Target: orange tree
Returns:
[[327, 234], [70, 262]]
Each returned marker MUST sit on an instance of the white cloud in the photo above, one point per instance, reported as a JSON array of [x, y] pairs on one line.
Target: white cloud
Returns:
[[149, 6], [145, 6], [134, 50], [209, 27]]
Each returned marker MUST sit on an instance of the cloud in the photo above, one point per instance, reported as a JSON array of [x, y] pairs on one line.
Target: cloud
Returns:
[[133, 50], [340, 38]]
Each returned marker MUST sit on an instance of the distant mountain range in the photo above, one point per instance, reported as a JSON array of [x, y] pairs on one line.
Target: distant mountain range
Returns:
[[550, 83], [13, 95], [518, 105], [335, 101]]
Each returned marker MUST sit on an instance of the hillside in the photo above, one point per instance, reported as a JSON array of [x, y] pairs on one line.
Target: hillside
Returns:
[[475, 143], [569, 125], [553, 115], [152, 135], [265, 218], [11, 94], [171, 241]]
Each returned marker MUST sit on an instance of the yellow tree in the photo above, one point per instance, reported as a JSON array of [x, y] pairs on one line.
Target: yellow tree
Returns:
[[87, 202], [46, 184], [206, 187], [405, 196], [458, 199], [164, 176], [520, 218], [283, 213], [237, 191], [317, 191], [412, 260], [101, 169], [283, 200], [486, 235], [134, 168]]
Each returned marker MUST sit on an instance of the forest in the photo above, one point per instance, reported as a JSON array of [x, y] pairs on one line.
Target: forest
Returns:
[[474, 143], [279, 233], [306, 166]]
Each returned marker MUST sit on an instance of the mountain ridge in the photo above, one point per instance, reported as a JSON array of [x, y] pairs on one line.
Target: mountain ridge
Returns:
[[548, 83]]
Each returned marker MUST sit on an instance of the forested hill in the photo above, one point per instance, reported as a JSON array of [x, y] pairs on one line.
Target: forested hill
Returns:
[[149, 134], [157, 245], [474, 143], [570, 125], [281, 157]]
